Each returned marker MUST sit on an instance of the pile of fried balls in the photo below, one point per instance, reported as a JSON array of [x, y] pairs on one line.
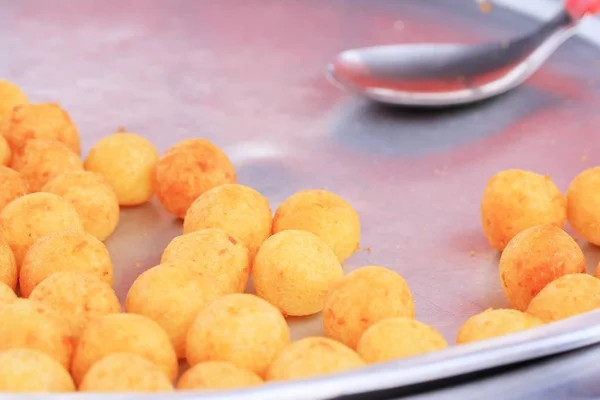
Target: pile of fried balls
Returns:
[[188, 323]]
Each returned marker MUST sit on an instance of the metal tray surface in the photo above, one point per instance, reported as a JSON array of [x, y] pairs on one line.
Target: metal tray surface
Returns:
[[249, 75]]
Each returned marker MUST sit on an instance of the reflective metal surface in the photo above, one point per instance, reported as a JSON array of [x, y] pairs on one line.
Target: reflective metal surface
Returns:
[[249, 76], [439, 75]]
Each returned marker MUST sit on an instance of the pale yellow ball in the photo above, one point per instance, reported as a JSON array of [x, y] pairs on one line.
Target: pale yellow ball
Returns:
[[215, 253], [515, 200], [493, 323], [64, 251], [126, 161], [239, 210], [325, 214], [31, 371], [362, 298], [28, 218], [8, 265], [313, 357], [124, 333], [565, 297], [217, 375], [11, 96], [125, 372], [12, 186], [33, 325], [172, 294], [93, 198], [583, 205], [294, 270], [43, 160], [533, 259], [79, 297], [394, 338], [242, 329]]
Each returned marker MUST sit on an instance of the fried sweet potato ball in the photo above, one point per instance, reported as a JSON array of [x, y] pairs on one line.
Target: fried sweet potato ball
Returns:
[[583, 205], [187, 170], [7, 295], [533, 259], [217, 375], [515, 200], [492, 323], [11, 96], [31, 371], [362, 298], [5, 152], [8, 265], [12, 186]]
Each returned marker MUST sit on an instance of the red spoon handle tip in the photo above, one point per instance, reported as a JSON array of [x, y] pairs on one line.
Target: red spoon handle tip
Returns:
[[581, 8]]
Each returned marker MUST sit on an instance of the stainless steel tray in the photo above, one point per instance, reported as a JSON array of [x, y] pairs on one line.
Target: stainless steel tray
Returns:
[[249, 76]]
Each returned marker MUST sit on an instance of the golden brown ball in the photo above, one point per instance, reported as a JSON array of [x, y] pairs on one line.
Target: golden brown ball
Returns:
[[5, 152], [124, 333], [394, 338], [11, 96], [32, 325], [583, 205], [238, 210], [79, 297], [28, 218], [242, 329], [215, 253], [12, 186], [172, 294], [312, 357], [533, 259], [362, 298], [187, 170], [294, 270], [93, 198], [43, 160], [39, 121], [64, 251], [31, 371], [8, 265], [217, 375], [127, 162], [125, 372], [325, 214], [565, 297], [493, 323], [515, 200]]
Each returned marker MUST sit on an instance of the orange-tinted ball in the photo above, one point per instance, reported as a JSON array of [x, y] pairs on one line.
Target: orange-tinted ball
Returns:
[[12, 186], [5, 152], [492, 323], [10, 96], [583, 205]]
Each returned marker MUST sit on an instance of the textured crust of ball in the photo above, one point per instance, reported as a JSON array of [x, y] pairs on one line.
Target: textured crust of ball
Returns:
[[31, 371], [217, 375], [8, 265], [214, 253], [362, 298], [187, 170], [94, 199], [39, 121], [242, 329], [5, 152], [583, 205], [239, 210], [172, 294], [565, 297], [12, 186], [43, 160], [64, 251], [124, 333], [11, 96], [125, 372], [493, 323], [533, 259], [325, 214], [32, 325], [515, 200], [7, 295], [312, 357], [295, 270], [79, 297], [32, 216], [394, 338], [127, 162]]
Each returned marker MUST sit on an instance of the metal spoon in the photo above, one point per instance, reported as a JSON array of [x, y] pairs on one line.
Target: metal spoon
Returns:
[[438, 75]]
